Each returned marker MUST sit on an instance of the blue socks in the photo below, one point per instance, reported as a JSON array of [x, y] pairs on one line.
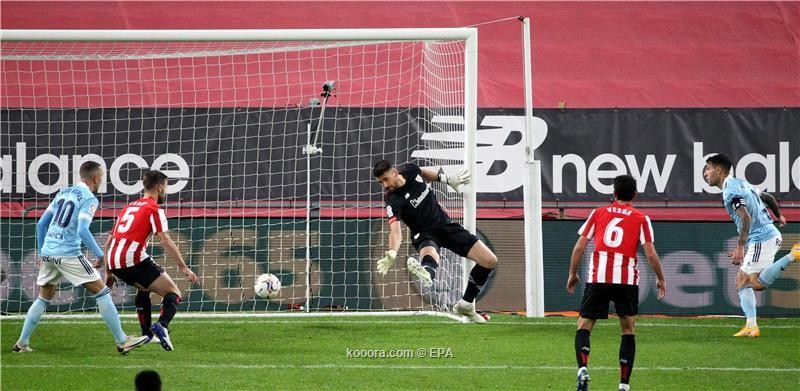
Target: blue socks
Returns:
[[748, 301], [32, 319], [768, 276], [110, 315]]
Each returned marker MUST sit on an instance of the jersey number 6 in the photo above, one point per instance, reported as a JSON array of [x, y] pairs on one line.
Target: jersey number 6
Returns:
[[613, 235]]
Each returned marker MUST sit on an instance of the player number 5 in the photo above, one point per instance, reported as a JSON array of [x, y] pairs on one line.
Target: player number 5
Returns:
[[613, 234], [127, 219]]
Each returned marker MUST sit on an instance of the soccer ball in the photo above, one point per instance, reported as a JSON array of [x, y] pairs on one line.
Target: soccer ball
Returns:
[[268, 286]]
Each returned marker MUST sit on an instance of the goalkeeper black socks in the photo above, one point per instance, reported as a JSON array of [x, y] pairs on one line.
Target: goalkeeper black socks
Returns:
[[477, 278], [627, 351], [582, 347], [169, 306], [430, 265], [143, 311]]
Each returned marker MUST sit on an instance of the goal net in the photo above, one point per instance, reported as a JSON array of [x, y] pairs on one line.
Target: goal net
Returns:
[[226, 115]]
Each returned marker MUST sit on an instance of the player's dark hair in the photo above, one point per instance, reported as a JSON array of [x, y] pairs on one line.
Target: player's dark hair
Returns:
[[381, 167], [625, 187], [148, 380], [153, 178], [88, 168], [721, 160]]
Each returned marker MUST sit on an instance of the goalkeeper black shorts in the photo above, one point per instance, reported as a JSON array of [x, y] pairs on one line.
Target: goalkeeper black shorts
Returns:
[[597, 297], [451, 236]]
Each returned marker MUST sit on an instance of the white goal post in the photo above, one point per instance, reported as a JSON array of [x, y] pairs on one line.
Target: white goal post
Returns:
[[226, 113]]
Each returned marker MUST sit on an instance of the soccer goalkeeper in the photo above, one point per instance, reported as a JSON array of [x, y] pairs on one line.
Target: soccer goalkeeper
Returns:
[[409, 198]]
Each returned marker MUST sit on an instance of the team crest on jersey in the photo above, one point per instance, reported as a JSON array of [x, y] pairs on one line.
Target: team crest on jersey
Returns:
[[419, 179]]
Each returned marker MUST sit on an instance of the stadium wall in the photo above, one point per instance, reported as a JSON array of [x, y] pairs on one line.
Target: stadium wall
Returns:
[[698, 271], [599, 54], [581, 151]]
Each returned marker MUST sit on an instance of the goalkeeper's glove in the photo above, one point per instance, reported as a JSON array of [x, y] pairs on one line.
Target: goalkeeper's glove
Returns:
[[385, 263], [462, 177]]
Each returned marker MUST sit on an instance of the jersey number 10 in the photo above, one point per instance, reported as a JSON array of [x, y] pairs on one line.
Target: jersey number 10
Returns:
[[64, 213]]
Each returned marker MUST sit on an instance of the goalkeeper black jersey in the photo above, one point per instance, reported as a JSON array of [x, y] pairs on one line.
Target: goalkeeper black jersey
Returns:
[[415, 203]]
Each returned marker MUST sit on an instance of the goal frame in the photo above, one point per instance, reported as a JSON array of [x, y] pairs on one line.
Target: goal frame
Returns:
[[467, 34]]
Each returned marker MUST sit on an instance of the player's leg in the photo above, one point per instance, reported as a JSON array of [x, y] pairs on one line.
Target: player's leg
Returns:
[[136, 275], [583, 341], [429, 259], [485, 262], [48, 277], [747, 296], [627, 350], [166, 288], [747, 300], [464, 243], [626, 303], [35, 312], [594, 305], [80, 272], [108, 312], [771, 270], [425, 268], [144, 311]]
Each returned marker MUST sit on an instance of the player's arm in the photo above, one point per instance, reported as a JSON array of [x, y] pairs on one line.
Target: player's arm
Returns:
[[575, 262], [43, 223], [744, 231], [655, 264], [462, 177], [172, 250], [395, 238], [771, 203], [85, 217], [41, 229], [429, 175]]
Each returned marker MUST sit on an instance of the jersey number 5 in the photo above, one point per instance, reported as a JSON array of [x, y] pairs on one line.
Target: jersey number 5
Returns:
[[613, 235], [126, 220]]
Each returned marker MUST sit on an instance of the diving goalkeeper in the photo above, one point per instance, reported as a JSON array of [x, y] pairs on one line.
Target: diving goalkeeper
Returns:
[[409, 198]]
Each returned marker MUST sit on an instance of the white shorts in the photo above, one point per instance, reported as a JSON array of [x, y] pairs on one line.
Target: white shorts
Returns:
[[77, 270], [759, 256]]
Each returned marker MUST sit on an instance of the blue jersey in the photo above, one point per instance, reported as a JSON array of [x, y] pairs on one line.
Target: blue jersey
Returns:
[[70, 205], [738, 193]]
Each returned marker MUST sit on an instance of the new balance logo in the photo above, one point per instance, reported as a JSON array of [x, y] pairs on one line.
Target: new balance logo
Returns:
[[500, 151]]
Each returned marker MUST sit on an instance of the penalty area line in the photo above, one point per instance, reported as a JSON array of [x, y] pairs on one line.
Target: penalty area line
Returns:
[[410, 366], [361, 321]]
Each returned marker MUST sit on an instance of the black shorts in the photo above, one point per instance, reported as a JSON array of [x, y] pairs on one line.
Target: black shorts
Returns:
[[597, 297], [451, 236], [142, 273]]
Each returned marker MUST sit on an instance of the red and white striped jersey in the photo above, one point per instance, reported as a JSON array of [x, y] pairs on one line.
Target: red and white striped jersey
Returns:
[[134, 226], [618, 230]]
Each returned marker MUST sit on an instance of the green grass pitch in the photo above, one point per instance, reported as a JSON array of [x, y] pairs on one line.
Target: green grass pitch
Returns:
[[510, 352]]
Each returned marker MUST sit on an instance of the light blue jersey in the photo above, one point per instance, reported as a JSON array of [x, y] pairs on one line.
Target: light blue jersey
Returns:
[[738, 193], [72, 210]]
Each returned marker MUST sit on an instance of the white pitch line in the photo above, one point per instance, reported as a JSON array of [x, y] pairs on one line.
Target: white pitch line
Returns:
[[410, 366], [394, 322]]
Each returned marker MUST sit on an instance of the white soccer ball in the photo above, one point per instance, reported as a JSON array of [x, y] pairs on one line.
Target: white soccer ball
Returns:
[[268, 286]]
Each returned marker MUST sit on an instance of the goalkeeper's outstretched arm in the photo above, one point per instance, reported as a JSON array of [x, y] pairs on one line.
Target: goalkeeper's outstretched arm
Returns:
[[454, 180], [395, 238], [429, 175]]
